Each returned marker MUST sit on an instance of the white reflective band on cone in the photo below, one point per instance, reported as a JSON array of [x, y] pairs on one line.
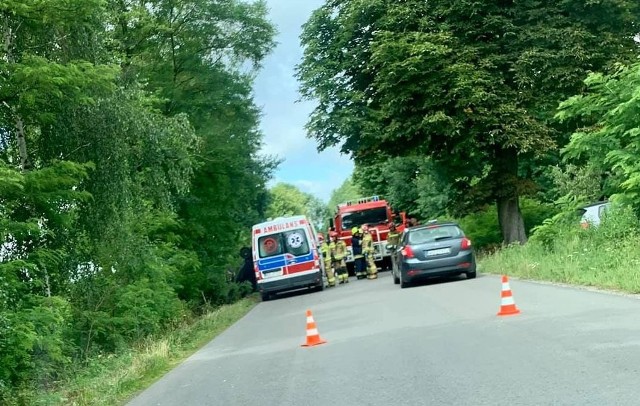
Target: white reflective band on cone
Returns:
[[309, 319], [312, 332], [508, 300], [505, 286]]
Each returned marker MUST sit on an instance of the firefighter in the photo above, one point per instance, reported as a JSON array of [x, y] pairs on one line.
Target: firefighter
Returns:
[[339, 253], [368, 251], [393, 239], [413, 222], [325, 250], [358, 258]]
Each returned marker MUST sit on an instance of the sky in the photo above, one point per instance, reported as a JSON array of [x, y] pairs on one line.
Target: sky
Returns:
[[283, 120]]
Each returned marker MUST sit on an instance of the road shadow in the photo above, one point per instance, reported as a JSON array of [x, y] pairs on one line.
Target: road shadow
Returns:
[[293, 293], [437, 280], [310, 291]]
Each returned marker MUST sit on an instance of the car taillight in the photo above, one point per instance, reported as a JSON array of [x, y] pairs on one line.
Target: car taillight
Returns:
[[465, 244], [407, 252]]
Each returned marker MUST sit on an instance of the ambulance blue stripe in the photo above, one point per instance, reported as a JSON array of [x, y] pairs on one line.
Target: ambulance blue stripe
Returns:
[[274, 263]]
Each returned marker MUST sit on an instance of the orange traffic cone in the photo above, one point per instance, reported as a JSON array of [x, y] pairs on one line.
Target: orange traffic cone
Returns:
[[313, 337], [507, 304]]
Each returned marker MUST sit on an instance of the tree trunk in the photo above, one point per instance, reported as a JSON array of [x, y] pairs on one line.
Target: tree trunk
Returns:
[[511, 221], [506, 192], [22, 144], [9, 34]]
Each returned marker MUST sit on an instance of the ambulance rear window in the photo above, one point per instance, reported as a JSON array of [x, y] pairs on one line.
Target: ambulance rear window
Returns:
[[292, 242]]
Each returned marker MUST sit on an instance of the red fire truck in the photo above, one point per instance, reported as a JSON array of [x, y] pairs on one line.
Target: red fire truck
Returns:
[[377, 214]]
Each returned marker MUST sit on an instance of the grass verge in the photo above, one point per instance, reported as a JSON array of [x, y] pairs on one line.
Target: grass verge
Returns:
[[605, 257], [115, 379]]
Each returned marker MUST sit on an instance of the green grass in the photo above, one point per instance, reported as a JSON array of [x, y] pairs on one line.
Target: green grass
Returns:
[[607, 257], [115, 379]]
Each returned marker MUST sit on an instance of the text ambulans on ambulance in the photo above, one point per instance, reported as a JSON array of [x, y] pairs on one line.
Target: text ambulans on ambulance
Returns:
[[285, 255]]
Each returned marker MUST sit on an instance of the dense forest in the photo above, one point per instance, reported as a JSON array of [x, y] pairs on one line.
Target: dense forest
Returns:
[[129, 171]]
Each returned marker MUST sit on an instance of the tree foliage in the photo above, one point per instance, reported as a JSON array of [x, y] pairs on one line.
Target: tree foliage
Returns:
[[288, 200], [349, 190], [608, 139], [129, 172], [473, 85], [410, 184]]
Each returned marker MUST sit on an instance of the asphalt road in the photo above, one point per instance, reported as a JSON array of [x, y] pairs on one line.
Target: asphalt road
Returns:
[[435, 344]]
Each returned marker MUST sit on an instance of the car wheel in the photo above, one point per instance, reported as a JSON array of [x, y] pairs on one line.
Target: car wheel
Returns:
[[265, 296], [471, 275], [403, 284], [396, 280]]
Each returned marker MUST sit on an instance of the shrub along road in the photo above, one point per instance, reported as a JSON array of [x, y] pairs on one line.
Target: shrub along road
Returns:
[[437, 343]]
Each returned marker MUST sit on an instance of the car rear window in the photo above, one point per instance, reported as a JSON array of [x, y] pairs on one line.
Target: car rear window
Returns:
[[431, 234], [292, 242]]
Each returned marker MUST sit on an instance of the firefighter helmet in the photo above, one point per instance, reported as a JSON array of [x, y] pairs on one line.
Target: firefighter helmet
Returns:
[[355, 230]]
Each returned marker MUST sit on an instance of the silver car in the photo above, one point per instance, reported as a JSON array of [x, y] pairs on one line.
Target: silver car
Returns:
[[435, 249]]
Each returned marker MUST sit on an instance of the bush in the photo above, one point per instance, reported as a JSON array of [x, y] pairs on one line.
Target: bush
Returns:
[[33, 344], [145, 308], [484, 230], [604, 256]]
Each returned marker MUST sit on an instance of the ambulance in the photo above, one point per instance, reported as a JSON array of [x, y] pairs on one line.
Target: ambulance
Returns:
[[286, 256]]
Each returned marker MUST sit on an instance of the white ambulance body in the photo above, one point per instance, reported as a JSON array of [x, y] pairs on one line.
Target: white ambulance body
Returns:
[[285, 256]]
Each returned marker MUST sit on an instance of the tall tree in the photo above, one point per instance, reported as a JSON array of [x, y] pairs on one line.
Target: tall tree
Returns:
[[129, 172], [61, 99], [198, 57], [473, 85]]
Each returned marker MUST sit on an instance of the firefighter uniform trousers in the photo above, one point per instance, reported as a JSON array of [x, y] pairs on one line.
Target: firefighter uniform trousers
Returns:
[[339, 251], [368, 251], [359, 265], [358, 258], [325, 249]]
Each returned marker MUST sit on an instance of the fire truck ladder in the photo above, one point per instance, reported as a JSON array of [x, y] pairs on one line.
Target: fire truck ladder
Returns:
[[360, 201]]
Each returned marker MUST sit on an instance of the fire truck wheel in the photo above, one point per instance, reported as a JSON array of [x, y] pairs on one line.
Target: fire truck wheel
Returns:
[[386, 264]]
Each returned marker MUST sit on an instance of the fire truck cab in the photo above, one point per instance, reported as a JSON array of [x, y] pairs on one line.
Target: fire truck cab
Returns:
[[378, 215]]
